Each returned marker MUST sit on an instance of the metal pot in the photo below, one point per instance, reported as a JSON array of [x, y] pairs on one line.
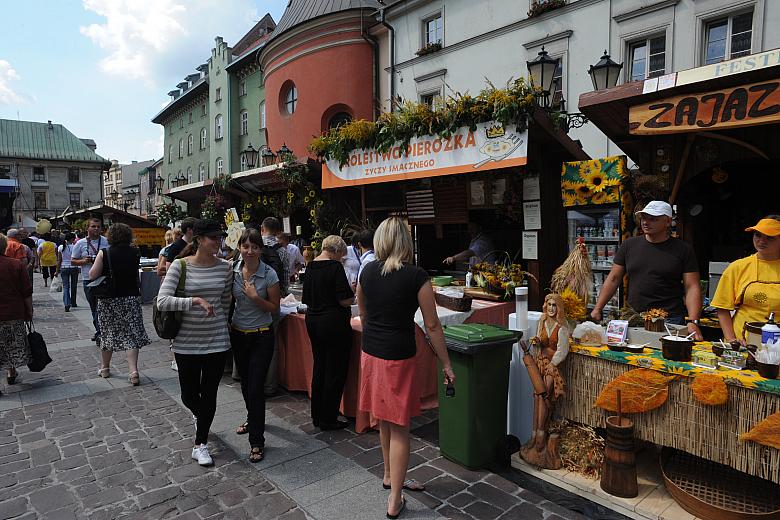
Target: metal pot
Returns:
[[752, 332], [676, 349]]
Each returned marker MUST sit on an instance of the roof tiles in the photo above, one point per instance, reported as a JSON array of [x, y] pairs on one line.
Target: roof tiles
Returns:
[[42, 141]]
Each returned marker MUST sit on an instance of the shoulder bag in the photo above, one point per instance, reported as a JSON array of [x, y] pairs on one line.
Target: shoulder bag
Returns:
[[168, 323], [103, 286], [40, 356]]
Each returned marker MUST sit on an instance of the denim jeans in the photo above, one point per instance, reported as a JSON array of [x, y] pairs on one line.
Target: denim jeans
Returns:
[[70, 285], [92, 305], [252, 354]]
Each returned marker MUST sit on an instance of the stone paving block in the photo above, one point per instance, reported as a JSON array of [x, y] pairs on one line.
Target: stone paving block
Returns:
[[346, 449], [445, 486], [45, 455], [492, 495], [12, 508], [158, 496], [270, 505], [51, 498], [483, 511], [369, 458], [35, 473], [332, 485], [309, 468], [10, 401], [46, 394], [461, 500], [525, 511], [451, 513], [424, 473]]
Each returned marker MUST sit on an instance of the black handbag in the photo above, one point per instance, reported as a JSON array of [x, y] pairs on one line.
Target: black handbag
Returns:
[[40, 356], [168, 323], [103, 285]]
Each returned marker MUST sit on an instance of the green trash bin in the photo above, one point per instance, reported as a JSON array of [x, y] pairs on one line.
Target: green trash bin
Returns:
[[472, 423]]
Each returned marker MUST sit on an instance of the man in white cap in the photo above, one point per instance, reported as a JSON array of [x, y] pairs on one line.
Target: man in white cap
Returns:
[[662, 271]]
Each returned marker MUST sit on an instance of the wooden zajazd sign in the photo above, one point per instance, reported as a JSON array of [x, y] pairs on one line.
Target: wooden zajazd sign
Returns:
[[745, 105]]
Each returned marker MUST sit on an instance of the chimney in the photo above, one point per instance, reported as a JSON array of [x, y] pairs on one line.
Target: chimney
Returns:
[[51, 127], [135, 162], [174, 94]]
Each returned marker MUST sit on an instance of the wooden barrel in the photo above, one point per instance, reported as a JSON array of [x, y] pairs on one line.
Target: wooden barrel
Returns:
[[618, 476]]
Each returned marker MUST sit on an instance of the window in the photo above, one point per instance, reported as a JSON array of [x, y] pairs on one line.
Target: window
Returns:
[[291, 99], [728, 38], [243, 162], [244, 119], [190, 144], [262, 114], [74, 175], [339, 119], [170, 130], [40, 200], [203, 110], [181, 148], [218, 127], [190, 116], [39, 174], [181, 122], [74, 199], [201, 172], [557, 86], [648, 58], [242, 88], [189, 175], [203, 138], [170, 153], [5, 171], [218, 94], [430, 99], [433, 30], [219, 165]]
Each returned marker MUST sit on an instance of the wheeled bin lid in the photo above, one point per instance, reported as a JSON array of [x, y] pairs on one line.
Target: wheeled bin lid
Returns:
[[472, 337]]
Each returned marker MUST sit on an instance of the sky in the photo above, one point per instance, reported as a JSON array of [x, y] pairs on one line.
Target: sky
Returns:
[[102, 68]]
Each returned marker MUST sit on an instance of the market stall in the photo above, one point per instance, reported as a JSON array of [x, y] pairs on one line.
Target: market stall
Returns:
[[295, 358]]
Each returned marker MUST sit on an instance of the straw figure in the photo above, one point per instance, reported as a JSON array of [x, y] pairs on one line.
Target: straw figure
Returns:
[[551, 348]]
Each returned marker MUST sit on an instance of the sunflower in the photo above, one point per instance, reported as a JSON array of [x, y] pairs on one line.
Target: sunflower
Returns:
[[599, 198], [573, 305], [596, 180], [569, 185], [583, 193], [569, 199]]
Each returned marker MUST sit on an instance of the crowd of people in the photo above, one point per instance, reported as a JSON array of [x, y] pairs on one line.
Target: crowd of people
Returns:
[[229, 305]]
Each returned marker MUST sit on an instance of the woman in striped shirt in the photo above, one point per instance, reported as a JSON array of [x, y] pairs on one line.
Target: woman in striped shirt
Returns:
[[203, 340]]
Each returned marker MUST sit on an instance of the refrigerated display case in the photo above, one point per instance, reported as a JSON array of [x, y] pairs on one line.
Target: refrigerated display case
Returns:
[[599, 226]]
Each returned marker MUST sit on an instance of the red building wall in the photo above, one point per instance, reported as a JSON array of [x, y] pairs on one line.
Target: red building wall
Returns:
[[332, 72]]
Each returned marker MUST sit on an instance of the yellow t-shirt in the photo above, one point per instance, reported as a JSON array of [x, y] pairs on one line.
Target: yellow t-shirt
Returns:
[[759, 299], [48, 254]]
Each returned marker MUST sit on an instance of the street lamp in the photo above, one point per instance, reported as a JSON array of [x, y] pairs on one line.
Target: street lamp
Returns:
[[249, 156], [114, 197], [605, 73], [268, 156], [158, 184], [283, 152], [182, 180], [541, 72]]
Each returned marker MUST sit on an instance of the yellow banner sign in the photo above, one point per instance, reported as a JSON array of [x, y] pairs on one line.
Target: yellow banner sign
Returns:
[[149, 236], [746, 105]]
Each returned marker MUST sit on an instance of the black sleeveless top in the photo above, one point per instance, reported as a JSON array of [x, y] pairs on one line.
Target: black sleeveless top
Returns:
[[124, 262]]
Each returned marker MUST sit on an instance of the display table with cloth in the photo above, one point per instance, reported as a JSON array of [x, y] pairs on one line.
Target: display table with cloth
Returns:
[[710, 432], [295, 357], [149, 284]]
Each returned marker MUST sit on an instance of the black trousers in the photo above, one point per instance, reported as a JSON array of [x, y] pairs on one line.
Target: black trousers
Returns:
[[199, 376], [252, 355], [331, 342], [48, 271]]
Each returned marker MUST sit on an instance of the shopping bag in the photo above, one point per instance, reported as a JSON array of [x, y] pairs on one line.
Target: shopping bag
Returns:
[[56, 284], [40, 356]]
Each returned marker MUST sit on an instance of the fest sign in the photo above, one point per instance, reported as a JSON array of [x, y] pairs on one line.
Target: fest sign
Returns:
[[746, 105], [491, 146], [149, 236]]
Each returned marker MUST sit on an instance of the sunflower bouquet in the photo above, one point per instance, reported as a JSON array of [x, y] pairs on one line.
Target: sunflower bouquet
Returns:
[[499, 279]]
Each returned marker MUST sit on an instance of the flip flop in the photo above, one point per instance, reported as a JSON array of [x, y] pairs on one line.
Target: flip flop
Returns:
[[243, 429], [401, 510], [256, 454], [409, 484]]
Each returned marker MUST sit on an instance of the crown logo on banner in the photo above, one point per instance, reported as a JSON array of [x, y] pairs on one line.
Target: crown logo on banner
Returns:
[[495, 131]]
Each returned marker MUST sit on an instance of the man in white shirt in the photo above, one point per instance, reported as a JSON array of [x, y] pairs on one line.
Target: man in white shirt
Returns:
[[83, 256], [295, 260], [365, 242]]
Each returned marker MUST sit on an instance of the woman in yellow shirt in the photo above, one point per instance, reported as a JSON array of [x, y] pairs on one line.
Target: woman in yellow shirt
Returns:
[[750, 287], [47, 252]]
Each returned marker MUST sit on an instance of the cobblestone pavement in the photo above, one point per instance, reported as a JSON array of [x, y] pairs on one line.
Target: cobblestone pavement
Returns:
[[73, 445]]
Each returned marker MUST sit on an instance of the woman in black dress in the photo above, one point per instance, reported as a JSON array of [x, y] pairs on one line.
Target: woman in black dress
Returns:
[[328, 296]]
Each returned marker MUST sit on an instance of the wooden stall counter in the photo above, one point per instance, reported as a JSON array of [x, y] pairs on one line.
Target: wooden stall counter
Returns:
[[295, 358]]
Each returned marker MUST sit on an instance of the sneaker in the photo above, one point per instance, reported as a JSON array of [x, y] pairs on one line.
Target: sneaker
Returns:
[[174, 366], [201, 454], [67, 308]]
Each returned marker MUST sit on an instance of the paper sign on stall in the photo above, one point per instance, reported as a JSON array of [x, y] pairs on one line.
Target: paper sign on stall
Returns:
[[531, 189], [532, 215], [530, 245], [617, 331]]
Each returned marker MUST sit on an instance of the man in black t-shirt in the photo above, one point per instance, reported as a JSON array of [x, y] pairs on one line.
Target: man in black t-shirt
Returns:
[[662, 270], [178, 246]]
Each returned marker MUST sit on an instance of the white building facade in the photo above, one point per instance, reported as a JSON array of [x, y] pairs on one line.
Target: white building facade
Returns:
[[493, 39]]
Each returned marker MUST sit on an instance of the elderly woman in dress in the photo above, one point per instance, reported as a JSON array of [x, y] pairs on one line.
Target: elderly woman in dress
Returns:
[[15, 309], [119, 315]]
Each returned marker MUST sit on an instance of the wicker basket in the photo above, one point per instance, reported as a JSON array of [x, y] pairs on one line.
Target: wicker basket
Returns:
[[452, 303], [655, 324]]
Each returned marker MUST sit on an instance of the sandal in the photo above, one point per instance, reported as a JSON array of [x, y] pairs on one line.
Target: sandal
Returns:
[[400, 509], [409, 484], [243, 429], [134, 379], [256, 454], [104, 372]]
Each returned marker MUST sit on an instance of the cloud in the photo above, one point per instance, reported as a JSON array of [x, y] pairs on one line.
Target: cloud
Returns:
[[158, 41], [7, 94]]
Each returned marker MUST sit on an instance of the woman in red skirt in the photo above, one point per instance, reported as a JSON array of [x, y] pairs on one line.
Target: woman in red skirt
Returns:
[[390, 290]]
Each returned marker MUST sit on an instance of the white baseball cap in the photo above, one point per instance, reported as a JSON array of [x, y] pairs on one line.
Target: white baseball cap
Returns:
[[656, 208]]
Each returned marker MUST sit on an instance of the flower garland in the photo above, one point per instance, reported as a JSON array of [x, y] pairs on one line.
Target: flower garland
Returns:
[[213, 207], [511, 105]]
